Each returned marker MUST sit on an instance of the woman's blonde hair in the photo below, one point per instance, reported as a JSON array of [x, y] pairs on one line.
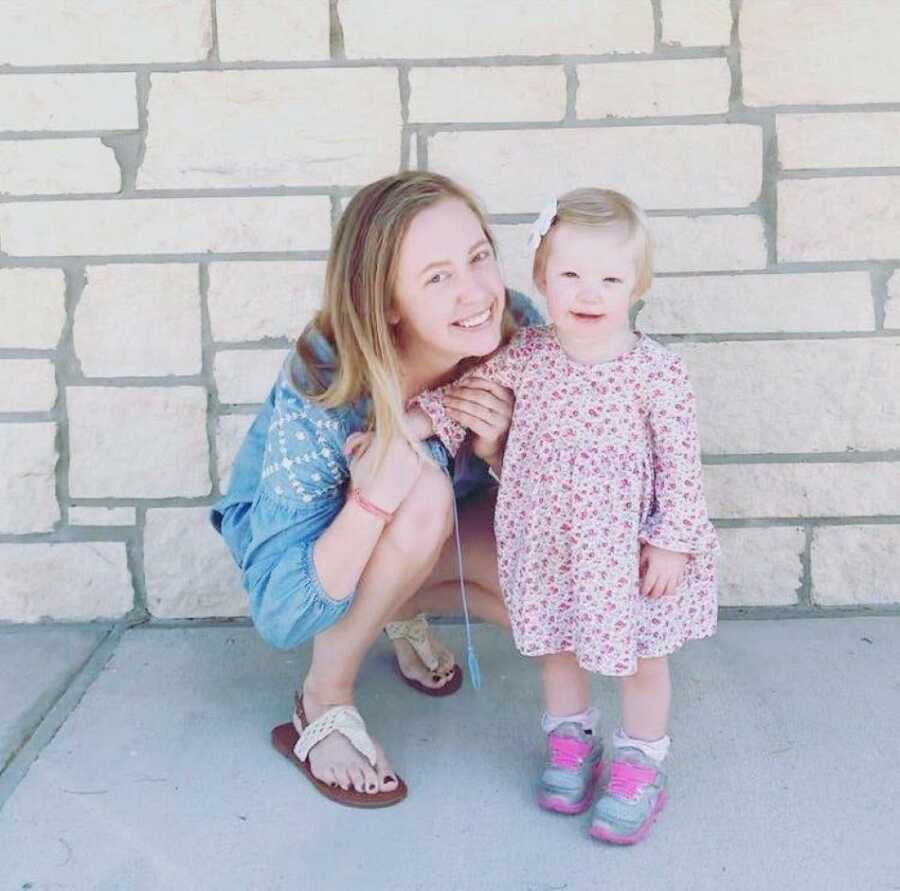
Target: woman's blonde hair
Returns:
[[359, 295], [603, 209]]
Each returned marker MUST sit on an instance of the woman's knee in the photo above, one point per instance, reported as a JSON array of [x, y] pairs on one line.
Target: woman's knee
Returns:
[[425, 519]]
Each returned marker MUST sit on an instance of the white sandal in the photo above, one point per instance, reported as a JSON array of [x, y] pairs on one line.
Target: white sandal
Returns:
[[295, 740], [415, 632]]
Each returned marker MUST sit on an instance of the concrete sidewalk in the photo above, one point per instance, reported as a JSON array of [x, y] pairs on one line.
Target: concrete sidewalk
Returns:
[[153, 768]]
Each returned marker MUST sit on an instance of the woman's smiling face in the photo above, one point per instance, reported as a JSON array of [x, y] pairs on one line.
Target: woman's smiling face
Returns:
[[449, 296]]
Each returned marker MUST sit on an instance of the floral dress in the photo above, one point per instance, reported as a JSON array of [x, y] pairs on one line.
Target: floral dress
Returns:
[[599, 459]]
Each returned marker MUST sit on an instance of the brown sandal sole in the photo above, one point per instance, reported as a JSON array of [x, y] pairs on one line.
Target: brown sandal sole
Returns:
[[448, 689], [284, 738]]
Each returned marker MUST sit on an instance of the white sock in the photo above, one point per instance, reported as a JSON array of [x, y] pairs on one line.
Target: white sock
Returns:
[[656, 749], [588, 719]]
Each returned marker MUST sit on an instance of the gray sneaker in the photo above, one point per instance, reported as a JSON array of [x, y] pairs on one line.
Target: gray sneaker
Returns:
[[633, 797], [572, 768]]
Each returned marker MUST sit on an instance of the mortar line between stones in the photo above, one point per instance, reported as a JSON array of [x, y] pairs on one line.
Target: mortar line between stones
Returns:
[[142, 88], [335, 33], [657, 25], [880, 276], [667, 53], [733, 56], [207, 377], [571, 112], [68, 369], [804, 591], [406, 133], [44, 732], [213, 55], [134, 553]]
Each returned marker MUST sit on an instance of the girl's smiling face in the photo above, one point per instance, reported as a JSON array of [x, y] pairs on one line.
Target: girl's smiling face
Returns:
[[449, 295], [589, 281]]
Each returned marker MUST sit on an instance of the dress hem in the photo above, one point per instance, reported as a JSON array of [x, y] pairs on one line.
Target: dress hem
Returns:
[[666, 650]]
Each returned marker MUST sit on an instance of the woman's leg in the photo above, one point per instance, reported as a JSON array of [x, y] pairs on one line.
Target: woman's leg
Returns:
[[440, 593], [403, 558], [646, 697]]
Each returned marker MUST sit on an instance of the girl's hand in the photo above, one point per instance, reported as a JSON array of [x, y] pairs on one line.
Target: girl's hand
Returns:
[[392, 482], [486, 409], [660, 570]]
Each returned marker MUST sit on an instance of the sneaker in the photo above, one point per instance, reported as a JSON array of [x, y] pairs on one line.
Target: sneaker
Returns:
[[633, 797], [571, 770]]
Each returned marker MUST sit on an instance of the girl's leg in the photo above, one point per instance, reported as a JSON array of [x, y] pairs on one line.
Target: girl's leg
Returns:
[[636, 791], [566, 685], [403, 558], [573, 760], [646, 698]]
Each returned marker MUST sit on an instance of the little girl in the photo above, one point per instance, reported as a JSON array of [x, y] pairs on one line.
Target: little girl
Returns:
[[605, 550]]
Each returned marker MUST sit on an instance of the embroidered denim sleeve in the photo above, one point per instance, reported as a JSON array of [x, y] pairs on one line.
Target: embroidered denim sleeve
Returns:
[[303, 460], [679, 520], [300, 493]]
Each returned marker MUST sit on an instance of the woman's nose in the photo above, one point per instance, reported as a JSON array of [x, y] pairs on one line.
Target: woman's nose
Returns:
[[472, 288]]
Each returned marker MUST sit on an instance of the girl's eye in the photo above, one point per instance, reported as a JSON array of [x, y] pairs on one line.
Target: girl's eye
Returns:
[[436, 278], [482, 255], [615, 281], [570, 275]]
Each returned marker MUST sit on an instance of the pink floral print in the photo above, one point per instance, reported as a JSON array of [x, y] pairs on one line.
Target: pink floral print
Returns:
[[599, 459]]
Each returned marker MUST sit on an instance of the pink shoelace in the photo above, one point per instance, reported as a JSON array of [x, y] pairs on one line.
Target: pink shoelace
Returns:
[[568, 753], [627, 780]]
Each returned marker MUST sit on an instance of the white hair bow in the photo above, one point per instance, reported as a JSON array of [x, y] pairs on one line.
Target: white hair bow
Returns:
[[542, 224]]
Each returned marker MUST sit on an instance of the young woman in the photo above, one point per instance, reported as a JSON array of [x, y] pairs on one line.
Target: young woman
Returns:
[[339, 536]]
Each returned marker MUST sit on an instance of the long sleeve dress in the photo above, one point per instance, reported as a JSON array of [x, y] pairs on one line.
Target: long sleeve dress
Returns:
[[599, 459]]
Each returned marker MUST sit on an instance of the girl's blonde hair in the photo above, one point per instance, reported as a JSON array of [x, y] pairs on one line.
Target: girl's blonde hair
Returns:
[[603, 209], [359, 295]]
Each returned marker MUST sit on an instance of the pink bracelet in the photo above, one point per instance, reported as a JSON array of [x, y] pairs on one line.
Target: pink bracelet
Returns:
[[366, 505]]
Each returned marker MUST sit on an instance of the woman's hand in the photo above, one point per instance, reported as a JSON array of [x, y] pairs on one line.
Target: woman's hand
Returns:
[[660, 570], [486, 409], [419, 424], [389, 485]]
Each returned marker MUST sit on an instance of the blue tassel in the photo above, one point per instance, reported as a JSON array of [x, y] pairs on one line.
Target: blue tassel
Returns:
[[471, 658], [474, 668]]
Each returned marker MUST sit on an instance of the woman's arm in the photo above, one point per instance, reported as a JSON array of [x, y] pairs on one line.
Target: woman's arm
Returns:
[[307, 544], [339, 567]]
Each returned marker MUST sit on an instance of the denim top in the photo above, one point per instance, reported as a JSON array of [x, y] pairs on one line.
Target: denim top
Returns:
[[288, 484]]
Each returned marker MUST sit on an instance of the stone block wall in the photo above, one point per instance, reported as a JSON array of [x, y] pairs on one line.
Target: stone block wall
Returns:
[[171, 170]]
